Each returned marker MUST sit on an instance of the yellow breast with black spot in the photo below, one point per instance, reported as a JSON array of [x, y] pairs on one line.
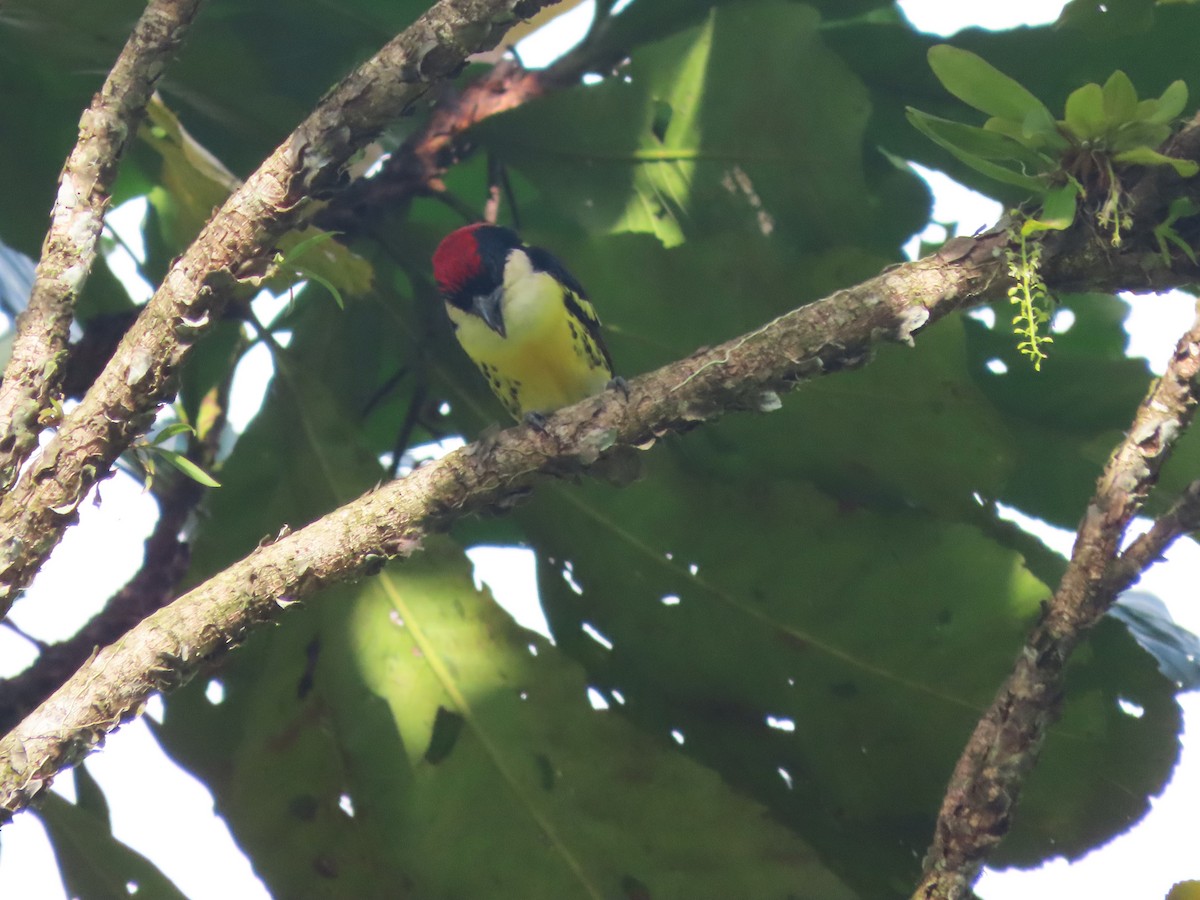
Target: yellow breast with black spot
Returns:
[[551, 355]]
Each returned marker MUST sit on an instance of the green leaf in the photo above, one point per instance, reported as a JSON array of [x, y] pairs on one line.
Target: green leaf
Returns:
[[979, 84], [170, 431], [1130, 135], [1120, 99], [304, 244], [1058, 211], [388, 730], [325, 283], [1085, 112], [952, 135], [1145, 156], [727, 160], [1164, 232], [1171, 104], [188, 468], [90, 796], [94, 864]]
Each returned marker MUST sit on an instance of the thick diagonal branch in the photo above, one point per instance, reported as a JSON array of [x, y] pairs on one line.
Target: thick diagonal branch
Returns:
[[164, 563], [829, 336], [238, 243], [978, 806], [34, 370]]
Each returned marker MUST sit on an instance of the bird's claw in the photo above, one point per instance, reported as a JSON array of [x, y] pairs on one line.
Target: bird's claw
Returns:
[[617, 383], [537, 421]]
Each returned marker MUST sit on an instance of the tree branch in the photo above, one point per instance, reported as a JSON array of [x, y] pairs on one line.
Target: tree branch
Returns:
[[1182, 518], [837, 333], [417, 166], [235, 246], [164, 563], [986, 784], [34, 370]]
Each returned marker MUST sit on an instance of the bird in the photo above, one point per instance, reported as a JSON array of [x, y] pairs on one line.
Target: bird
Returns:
[[523, 319]]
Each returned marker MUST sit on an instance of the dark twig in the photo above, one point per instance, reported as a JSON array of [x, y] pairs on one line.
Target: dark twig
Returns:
[[34, 371], [978, 806], [416, 168]]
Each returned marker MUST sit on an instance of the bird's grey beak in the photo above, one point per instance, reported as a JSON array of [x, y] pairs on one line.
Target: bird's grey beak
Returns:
[[489, 308]]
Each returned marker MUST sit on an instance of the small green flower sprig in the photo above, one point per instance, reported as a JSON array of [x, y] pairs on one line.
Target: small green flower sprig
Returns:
[[1067, 164]]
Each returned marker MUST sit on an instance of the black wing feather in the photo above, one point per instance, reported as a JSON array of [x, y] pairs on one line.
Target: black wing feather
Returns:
[[575, 297]]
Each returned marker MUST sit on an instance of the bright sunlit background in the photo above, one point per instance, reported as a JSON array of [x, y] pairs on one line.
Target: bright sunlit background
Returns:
[[144, 788]]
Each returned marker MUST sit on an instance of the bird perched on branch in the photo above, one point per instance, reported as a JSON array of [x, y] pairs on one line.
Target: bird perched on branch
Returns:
[[523, 319]]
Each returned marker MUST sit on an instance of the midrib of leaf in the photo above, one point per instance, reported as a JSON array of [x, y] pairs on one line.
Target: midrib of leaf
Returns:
[[821, 645], [442, 672], [746, 609]]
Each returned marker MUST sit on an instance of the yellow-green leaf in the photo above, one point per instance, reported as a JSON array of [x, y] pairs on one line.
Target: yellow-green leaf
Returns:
[[1120, 98], [1058, 211], [1085, 112], [978, 83], [188, 468], [1170, 104], [954, 135], [1148, 156]]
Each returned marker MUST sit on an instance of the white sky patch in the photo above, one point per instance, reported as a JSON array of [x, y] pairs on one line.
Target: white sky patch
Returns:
[[568, 575], [945, 18], [123, 259], [984, 315], [137, 778], [955, 204], [105, 548], [1130, 708], [781, 723], [1057, 539], [548, 43], [1062, 321], [436, 449], [251, 379], [511, 574], [1155, 324], [267, 306], [594, 633], [155, 708], [214, 692]]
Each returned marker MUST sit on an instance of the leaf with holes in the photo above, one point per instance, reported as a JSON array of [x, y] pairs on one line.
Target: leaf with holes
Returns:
[[405, 731]]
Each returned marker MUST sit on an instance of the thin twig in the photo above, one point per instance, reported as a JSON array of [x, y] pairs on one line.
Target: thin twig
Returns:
[[34, 372], [1182, 518]]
